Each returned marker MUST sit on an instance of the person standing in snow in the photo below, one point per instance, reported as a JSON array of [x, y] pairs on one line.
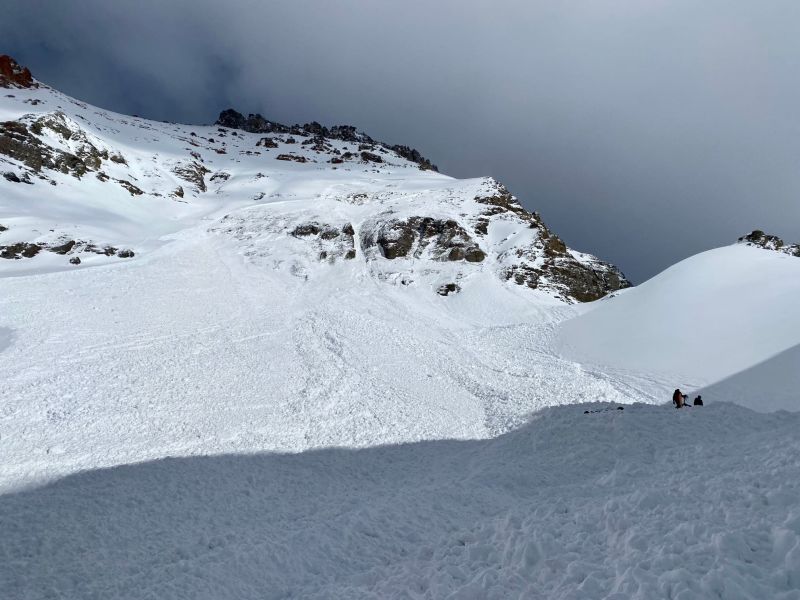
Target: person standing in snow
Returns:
[[677, 398], [698, 401]]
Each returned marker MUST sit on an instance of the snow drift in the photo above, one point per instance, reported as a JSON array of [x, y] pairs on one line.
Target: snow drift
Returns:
[[703, 320]]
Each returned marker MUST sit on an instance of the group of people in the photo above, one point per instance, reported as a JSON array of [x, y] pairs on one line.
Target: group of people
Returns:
[[679, 399]]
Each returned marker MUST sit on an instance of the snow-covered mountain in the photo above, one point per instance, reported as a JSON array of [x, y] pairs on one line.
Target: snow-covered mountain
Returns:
[[253, 360], [305, 197], [174, 289]]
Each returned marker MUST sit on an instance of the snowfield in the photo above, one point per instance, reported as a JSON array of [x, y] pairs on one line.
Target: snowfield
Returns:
[[189, 350], [643, 503], [242, 323], [233, 367], [726, 314]]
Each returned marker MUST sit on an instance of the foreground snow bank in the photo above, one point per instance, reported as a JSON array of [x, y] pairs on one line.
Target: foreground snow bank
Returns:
[[705, 319], [648, 502]]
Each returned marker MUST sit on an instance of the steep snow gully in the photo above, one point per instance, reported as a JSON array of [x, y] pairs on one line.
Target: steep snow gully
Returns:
[[293, 362]]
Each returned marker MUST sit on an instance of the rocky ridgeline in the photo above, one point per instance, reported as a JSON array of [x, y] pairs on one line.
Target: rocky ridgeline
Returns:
[[255, 123], [439, 237], [22, 142], [760, 239], [546, 262]]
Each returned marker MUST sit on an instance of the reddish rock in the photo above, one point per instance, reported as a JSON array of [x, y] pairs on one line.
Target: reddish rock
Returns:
[[12, 75]]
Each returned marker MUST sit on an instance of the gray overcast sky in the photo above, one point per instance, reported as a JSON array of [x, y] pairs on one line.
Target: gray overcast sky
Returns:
[[643, 131]]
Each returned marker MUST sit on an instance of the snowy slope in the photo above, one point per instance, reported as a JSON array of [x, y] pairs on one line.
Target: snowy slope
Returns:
[[227, 300], [708, 318], [639, 504], [119, 186], [366, 374]]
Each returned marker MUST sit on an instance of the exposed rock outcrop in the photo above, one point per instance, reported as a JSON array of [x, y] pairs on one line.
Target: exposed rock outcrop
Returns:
[[546, 262], [194, 173], [330, 241], [769, 242], [255, 123], [76, 155], [448, 288], [292, 157], [12, 75], [21, 250], [416, 237]]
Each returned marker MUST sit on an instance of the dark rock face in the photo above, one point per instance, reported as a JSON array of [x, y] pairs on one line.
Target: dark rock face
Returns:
[[194, 173], [371, 157], [448, 288], [63, 248], [14, 178], [20, 142], [12, 75], [769, 242], [66, 246], [220, 177], [329, 241], [267, 142], [132, 189], [412, 155], [255, 123], [292, 157], [547, 262], [445, 240], [306, 229], [20, 250]]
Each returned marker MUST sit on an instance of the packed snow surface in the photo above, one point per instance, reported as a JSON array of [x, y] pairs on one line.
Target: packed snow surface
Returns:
[[644, 503]]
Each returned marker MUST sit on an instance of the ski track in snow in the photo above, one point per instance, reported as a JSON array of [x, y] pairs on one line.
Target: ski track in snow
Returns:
[[643, 503], [192, 351]]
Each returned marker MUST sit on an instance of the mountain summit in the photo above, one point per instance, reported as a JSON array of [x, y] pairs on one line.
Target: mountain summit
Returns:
[[12, 75], [255, 123], [85, 186]]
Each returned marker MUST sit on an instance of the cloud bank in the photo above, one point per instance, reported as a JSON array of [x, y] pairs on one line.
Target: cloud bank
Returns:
[[643, 131]]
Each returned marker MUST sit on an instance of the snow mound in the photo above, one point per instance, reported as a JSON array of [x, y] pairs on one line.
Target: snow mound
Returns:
[[703, 320], [643, 503]]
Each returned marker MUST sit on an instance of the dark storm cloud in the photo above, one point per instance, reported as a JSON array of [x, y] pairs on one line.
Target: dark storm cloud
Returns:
[[643, 131]]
